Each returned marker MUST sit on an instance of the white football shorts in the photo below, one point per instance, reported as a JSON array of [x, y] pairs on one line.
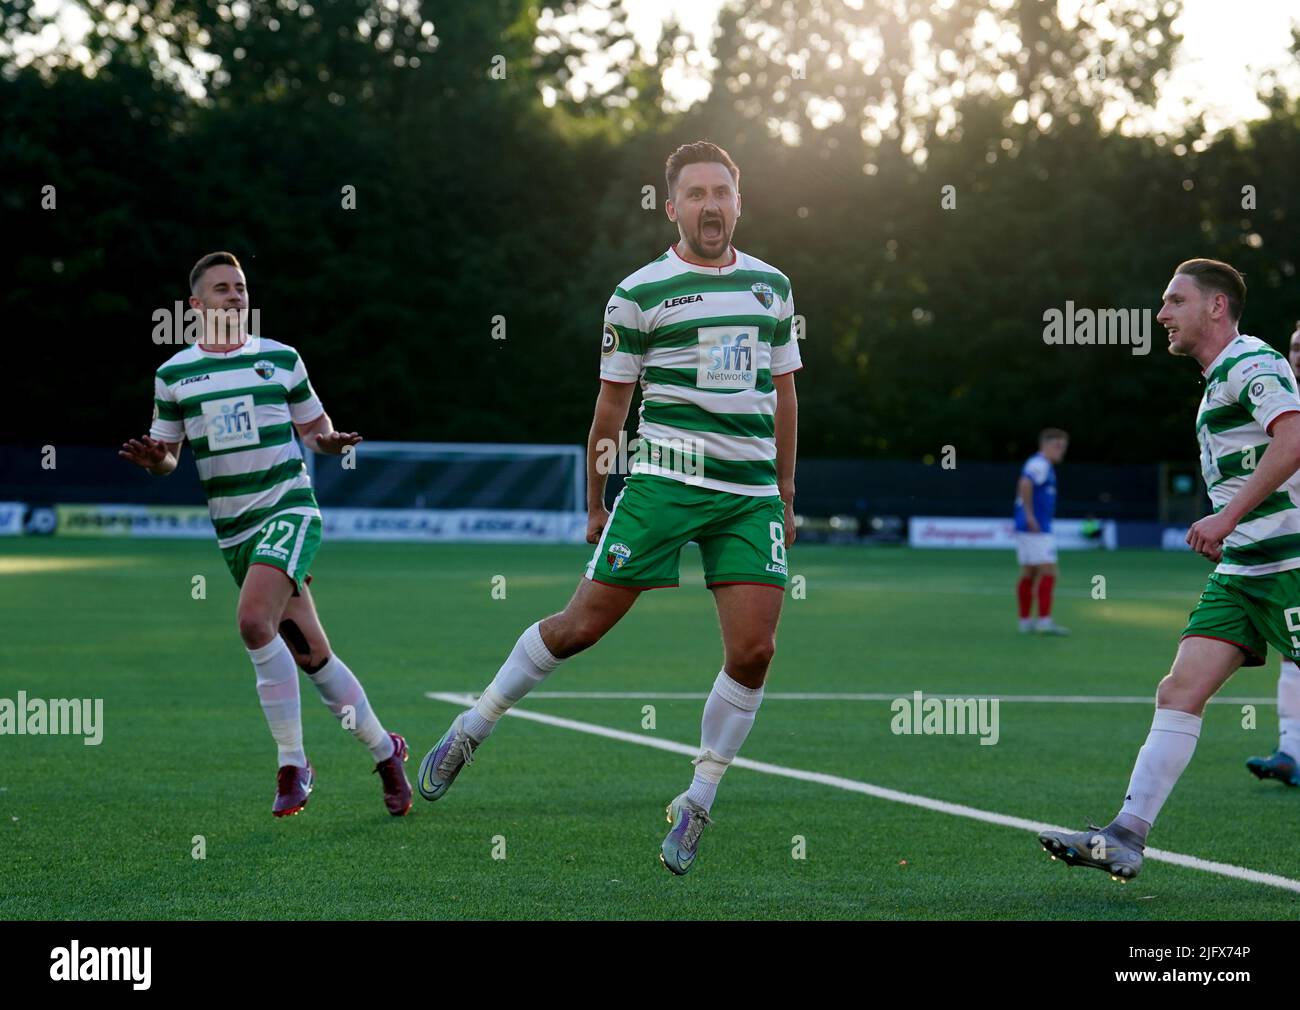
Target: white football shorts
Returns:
[[1035, 548]]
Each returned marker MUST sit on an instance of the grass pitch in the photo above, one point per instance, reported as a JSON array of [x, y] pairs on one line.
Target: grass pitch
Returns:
[[110, 831]]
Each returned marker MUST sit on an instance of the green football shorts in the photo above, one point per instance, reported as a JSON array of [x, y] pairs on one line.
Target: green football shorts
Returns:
[[1250, 612], [741, 538], [287, 542]]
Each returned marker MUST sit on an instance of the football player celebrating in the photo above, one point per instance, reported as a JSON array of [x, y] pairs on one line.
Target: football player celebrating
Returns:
[[1248, 426], [238, 398], [706, 331]]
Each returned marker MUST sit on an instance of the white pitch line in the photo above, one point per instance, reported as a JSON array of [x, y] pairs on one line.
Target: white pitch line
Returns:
[[1047, 699], [879, 792]]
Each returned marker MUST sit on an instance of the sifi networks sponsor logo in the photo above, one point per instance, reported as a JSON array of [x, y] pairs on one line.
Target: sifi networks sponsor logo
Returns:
[[76, 963]]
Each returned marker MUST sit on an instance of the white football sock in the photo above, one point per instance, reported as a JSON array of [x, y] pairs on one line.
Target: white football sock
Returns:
[[277, 687], [343, 695], [1160, 762], [728, 717], [528, 664], [1288, 709]]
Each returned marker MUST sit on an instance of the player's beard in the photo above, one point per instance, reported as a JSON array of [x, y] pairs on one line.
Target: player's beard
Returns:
[[226, 327], [696, 240], [1185, 342]]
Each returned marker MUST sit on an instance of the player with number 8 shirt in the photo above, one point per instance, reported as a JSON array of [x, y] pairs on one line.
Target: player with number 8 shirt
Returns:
[[706, 331]]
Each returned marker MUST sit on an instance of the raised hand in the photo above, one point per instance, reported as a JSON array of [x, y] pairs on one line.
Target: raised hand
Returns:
[[334, 442], [144, 451]]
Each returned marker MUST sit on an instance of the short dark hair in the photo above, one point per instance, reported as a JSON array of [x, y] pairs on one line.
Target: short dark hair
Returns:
[[1220, 277], [700, 152], [213, 259], [1051, 434]]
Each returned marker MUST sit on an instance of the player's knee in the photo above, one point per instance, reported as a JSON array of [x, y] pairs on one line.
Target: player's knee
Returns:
[[256, 630], [573, 629], [1180, 690], [580, 633], [753, 657]]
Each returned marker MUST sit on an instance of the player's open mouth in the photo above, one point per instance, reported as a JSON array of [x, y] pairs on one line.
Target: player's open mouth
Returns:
[[711, 229]]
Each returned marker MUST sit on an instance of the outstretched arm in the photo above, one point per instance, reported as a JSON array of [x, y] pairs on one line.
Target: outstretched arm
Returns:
[[159, 458], [319, 436]]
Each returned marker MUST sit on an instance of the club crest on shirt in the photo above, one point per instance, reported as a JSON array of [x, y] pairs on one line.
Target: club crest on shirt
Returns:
[[617, 555], [764, 293], [264, 369]]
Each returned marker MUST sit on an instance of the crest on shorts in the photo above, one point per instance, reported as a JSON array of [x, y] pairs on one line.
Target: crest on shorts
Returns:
[[616, 557], [764, 293], [264, 369]]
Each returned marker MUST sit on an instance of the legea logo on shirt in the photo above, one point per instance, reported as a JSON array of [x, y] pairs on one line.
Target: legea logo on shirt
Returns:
[[230, 423], [727, 357]]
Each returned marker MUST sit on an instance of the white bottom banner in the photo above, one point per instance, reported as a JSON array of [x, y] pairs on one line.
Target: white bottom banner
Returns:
[[499, 525], [467, 525]]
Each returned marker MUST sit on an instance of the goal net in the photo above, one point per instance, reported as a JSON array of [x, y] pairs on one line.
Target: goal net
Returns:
[[452, 491]]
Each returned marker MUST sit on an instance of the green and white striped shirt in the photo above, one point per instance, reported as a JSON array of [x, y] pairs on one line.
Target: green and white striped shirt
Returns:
[[238, 410], [1248, 387], [704, 342]]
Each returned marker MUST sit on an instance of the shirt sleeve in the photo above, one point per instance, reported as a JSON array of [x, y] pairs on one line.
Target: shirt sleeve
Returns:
[[623, 340], [304, 405], [785, 344], [1267, 390], [168, 422], [1036, 469]]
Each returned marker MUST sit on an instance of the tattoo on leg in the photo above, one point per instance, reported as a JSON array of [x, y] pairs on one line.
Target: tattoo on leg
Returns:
[[296, 639], [309, 667]]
